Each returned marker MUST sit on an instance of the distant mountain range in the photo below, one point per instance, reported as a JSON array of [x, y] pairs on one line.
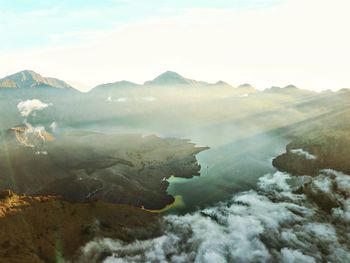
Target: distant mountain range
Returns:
[[28, 79], [168, 79]]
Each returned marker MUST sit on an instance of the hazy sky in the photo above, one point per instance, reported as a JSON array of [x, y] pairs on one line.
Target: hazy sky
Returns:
[[262, 42]]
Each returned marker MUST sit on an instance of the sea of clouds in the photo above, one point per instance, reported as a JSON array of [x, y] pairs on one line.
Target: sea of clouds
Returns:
[[279, 222]]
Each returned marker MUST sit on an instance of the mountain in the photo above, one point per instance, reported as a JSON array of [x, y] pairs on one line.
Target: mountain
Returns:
[[220, 84], [173, 79], [115, 85], [28, 79], [247, 88], [288, 90], [316, 150], [168, 78]]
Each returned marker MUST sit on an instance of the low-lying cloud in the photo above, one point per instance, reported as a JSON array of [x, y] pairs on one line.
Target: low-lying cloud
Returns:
[[28, 107], [271, 224], [304, 154]]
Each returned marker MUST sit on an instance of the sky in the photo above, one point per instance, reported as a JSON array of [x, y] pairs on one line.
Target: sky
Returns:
[[262, 42]]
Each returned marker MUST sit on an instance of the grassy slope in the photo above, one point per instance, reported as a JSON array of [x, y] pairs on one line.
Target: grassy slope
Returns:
[[43, 229]]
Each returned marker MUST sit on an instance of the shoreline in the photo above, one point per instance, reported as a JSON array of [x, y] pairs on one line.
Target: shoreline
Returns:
[[178, 203]]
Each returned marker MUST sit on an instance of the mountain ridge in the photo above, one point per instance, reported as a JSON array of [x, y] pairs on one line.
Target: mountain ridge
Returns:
[[28, 79], [115, 85], [171, 78]]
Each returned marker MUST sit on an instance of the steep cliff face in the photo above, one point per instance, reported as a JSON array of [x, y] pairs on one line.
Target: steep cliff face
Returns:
[[309, 153], [49, 229]]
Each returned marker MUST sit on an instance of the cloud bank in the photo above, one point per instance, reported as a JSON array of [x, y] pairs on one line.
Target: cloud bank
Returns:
[[272, 224]]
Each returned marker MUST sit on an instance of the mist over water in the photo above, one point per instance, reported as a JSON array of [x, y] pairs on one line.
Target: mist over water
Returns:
[[240, 209], [226, 170], [239, 136], [237, 157]]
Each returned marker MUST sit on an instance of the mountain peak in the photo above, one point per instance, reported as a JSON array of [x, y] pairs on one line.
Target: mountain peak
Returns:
[[290, 86], [170, 78], [114, 85], [169, 73], [245, 85], [28, 72], [30, 79], [220, 82], [289, 89], [246, 88], [26, 78], [286, 88]]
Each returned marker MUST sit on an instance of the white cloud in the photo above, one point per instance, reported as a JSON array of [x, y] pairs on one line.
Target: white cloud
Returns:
[[253, 226], [33, 136], [295, 256], [304, 154], [27, 107]]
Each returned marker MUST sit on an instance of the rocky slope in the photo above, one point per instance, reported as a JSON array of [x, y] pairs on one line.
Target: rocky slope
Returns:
[[316, 150], [320, 161], [28, 79], [49, 229]]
